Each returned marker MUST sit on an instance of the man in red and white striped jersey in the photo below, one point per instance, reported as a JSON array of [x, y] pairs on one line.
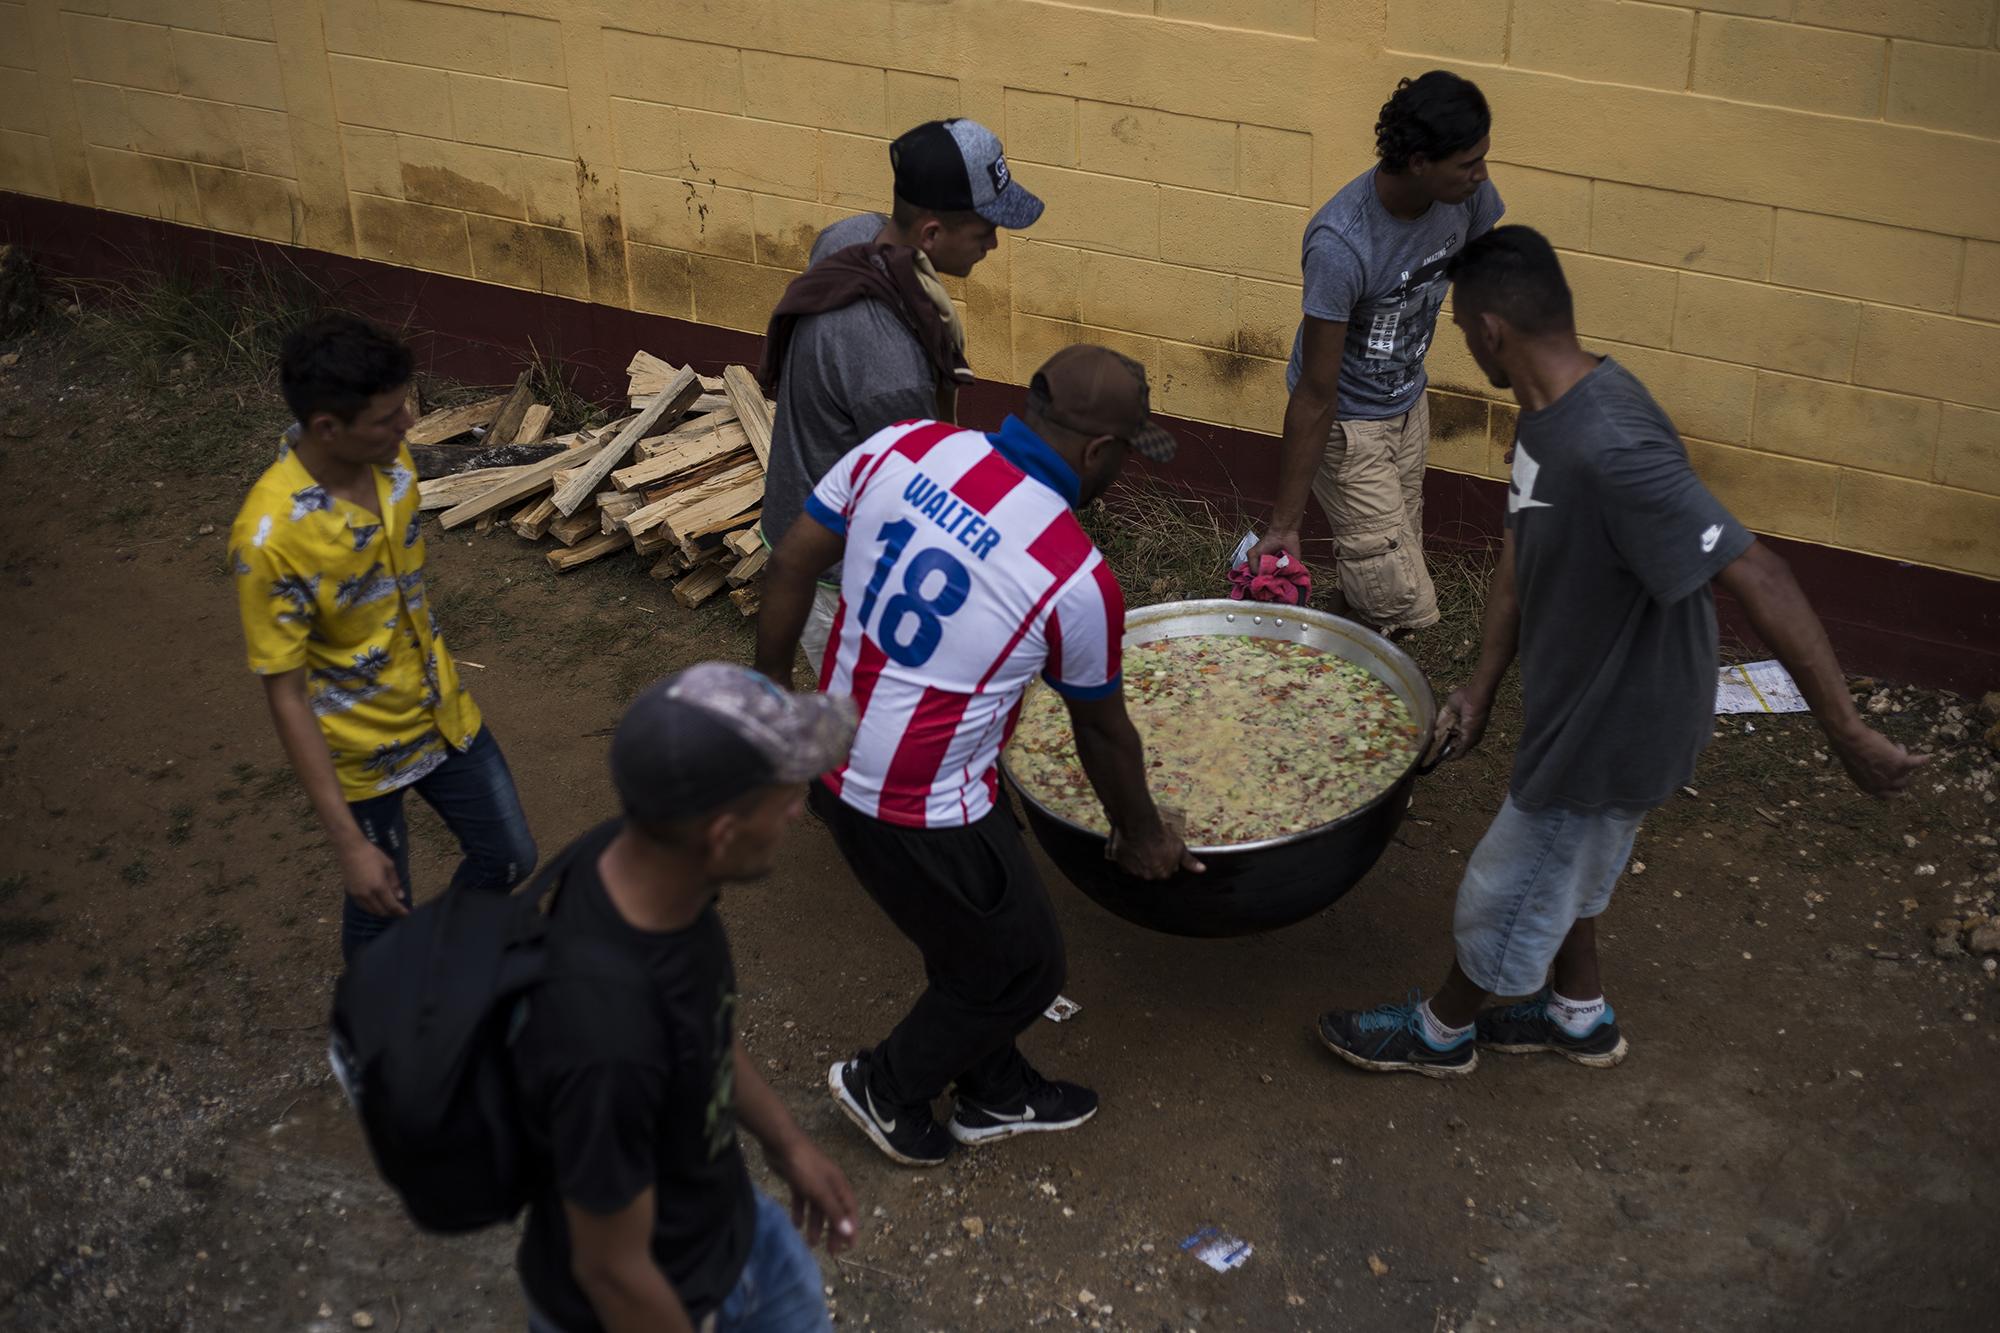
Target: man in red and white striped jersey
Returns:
[[964, 575]]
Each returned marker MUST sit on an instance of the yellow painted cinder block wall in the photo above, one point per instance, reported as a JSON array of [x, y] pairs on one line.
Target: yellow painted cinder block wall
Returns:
[[1783, 214]]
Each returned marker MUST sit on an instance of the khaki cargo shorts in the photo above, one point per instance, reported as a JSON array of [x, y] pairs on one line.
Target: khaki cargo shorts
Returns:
[[1371, 485]]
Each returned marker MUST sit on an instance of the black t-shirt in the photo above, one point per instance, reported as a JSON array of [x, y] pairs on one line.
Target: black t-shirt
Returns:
[[622, 1098], [1615, 542]]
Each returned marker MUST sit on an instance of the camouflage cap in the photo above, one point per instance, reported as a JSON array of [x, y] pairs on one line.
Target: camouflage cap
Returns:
[[708, 734]]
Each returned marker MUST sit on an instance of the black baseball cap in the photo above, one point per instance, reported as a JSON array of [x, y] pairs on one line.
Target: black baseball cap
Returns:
[[958, 166], [1095, 391], [707, 735]]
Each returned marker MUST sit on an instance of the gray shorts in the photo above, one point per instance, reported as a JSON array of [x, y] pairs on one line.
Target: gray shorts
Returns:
[[1535, 874]]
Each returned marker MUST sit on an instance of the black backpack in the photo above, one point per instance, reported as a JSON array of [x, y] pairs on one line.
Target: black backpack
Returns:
[[423, 1021]]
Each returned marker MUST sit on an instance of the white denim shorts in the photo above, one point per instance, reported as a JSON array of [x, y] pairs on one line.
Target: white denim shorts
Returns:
[[1535, 874]]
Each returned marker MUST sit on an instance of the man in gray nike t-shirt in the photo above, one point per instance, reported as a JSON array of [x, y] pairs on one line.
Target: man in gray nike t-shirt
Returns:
[[1603, 586], [851, 371], [1357, 432]]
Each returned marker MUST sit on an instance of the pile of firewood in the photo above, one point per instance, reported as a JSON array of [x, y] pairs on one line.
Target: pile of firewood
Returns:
[[681, 479]]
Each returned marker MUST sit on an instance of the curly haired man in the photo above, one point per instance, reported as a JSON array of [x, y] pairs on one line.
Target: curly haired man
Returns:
[[1357, 429]]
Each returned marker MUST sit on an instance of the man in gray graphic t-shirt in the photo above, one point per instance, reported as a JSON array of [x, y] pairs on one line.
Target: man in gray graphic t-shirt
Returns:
[[850, 371], [1603, 589], [1356, 429]]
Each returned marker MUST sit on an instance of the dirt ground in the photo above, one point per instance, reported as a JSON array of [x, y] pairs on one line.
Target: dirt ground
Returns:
[[1805, 1135]]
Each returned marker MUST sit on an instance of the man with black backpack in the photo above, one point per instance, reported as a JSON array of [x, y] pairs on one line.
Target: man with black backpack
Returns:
[[631, 1077]]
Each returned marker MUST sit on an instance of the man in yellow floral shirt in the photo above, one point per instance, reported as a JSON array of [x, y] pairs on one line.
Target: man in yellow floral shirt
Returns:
[[328, 555]]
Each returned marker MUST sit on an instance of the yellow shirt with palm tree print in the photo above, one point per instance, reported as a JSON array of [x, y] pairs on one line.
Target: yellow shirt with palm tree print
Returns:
[[326, 585]]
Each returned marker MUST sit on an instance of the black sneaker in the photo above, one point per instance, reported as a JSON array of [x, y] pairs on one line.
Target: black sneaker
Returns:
[[1045, 1107], [1518, 1029], [1391, 1037], [910, 1135]]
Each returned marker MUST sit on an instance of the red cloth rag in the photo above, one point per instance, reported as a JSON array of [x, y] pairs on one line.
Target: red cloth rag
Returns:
[[1273, 582]]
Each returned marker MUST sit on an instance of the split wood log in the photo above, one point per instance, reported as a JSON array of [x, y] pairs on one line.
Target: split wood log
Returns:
[[751, 410], [507, 421], [747, 475], [534, 425], [697, 476], [613, 506], [710, 529], [748, 600], [452, 422], [664, 464], [444, 492], [670, 566], [719, 513], [746, 542], [567, 558], [675, 398], [533, 478], [691, 429], [533, 522], [569, 529], [699, 586], [704, 402], [749, 567], [645, 367]]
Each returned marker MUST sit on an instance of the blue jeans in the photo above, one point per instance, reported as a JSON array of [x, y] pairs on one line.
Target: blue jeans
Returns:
[[779, 1291], [473, 792], [1535, 874]]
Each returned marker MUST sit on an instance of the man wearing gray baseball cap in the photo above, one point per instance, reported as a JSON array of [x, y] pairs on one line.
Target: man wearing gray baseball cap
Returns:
[[868, 336], [631, 1076]]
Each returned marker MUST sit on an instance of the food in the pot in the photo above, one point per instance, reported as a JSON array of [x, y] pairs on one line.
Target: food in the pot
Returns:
[[1252, 738]]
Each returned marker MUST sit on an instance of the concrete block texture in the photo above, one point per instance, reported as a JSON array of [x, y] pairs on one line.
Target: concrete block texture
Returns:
[[1787, 497], [1782, 215], [1963, 22], [1556, 205], [1893, 265], [249, 204], [1786, 64], [1474, 30], [1979, 292], [414, 235], [1609, 41], [1757, 325], [1945, 88], [1914, 520], [1689, 231], [520, 254], [1291, 17], [1968, 452], [706, 77], [28, 164], [1193, 151], [108, 50], [1838, 423], [1934, 356], [1039, 127]]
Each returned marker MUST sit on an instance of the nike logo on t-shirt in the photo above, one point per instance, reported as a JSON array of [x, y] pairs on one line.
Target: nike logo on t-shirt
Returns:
[[1526, 469], [1710, 538]]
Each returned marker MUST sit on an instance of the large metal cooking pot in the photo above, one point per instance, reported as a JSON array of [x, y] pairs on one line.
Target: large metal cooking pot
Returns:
[[1275, 882]]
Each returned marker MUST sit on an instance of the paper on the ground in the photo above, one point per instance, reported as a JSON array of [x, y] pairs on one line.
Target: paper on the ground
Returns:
[[1062, 1010], [1217, 1248], [1757, 687]]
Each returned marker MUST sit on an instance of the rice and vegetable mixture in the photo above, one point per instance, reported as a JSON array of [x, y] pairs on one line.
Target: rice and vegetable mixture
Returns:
[[1253, 738]]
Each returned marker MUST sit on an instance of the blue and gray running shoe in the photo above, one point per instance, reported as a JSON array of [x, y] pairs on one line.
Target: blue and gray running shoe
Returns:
[[1519, 1029], [1391, 1037]]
